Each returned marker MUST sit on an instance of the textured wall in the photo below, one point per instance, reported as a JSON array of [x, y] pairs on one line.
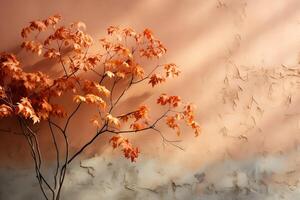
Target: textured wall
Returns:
[[240, 65]]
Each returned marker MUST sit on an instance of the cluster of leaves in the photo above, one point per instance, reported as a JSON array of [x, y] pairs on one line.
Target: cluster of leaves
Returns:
[[127, 148], [26, 94], [187, 114], [30, 95]]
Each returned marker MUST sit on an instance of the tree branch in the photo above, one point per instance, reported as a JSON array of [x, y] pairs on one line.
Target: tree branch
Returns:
[[57, 154], [102, 130]]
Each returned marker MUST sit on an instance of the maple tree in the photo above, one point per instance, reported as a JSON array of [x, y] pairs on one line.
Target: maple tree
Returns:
[[33, 97]]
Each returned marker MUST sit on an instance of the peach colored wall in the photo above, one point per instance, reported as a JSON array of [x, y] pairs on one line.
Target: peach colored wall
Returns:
[[239, 62]]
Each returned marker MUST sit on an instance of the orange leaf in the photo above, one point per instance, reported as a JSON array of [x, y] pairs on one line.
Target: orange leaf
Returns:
[[113, 121], [5, 110]]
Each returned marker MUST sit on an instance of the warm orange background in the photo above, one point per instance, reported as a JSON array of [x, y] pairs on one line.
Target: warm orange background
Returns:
[[209, 40]]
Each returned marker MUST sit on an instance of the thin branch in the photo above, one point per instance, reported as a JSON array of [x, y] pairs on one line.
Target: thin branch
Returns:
[[60, 58], [143, 129], [96, 73], [103, 77], [35, 141], [64, 168], [36, 150], [57, 153], [33, 154], [70, 117], [56, 125], [168, 141], [102, 130], [121, 95], [111, 92], [146, 77]]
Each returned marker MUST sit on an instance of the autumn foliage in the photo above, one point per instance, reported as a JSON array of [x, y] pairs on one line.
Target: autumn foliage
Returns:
[[33, 97]]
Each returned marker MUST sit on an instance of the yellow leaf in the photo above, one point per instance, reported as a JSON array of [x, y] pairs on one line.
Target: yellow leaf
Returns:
[[103, 89], [109, 74], [78, 99], [113, 120]]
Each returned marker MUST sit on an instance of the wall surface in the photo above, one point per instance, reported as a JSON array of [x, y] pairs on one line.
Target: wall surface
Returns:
[[240, 66]]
